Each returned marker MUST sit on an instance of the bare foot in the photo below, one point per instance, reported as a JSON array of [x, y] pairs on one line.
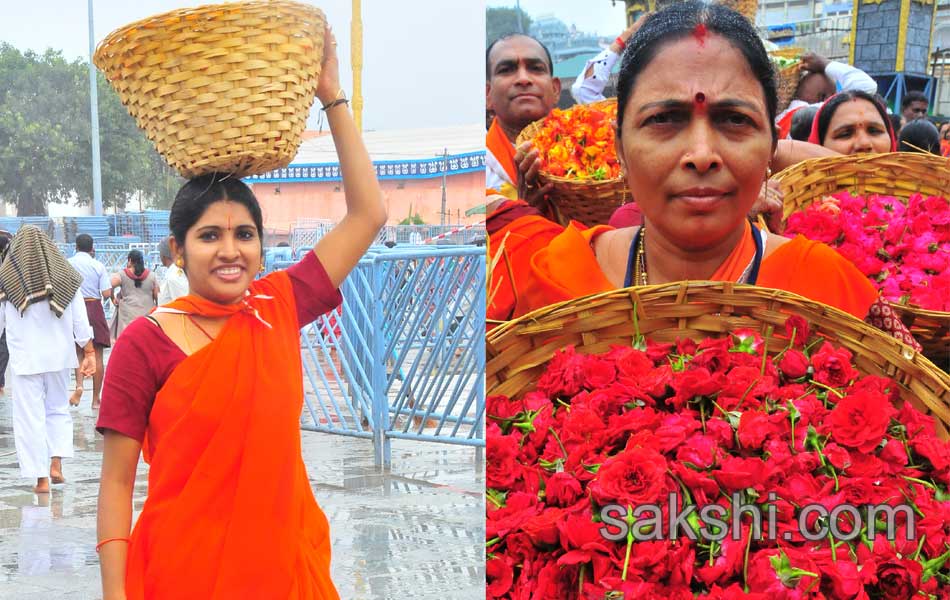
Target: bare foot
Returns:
[[56, 471], [42, 486], [76, 397], [95, 404]]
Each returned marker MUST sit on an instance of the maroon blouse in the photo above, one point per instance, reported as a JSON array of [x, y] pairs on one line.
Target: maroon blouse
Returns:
[[143, 356]]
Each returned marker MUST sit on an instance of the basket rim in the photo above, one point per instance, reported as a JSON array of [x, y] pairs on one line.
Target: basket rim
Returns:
[[154, 21]]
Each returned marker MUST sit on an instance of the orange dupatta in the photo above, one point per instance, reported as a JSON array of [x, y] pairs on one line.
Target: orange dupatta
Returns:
[[566, 268], [230, 512]]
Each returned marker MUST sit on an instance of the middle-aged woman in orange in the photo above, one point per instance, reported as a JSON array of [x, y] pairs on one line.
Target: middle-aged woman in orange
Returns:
[[209, 388], [696, 108]]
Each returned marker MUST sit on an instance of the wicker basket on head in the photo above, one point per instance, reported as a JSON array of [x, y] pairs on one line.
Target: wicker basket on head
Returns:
[[223, 87], [899, 174], [518, 350], [590, 202]]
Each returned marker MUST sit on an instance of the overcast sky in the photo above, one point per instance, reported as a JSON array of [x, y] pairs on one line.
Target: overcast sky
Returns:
[[422, 59], [603, 17]]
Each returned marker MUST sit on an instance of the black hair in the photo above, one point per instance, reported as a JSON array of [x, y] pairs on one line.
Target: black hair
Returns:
[[138, 265], [920, 135], [680, 20], [835, 102], [4, 242], [84, 242], [508, 36], [895, 122], [801, 122], [194, 198], [914, 96]]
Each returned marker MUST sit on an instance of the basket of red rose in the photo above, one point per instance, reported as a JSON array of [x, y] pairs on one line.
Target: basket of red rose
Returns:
[[889, 214], [637, 437]]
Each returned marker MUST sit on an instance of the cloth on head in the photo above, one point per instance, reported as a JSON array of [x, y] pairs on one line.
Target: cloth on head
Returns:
[[35, 270], [814, 138]]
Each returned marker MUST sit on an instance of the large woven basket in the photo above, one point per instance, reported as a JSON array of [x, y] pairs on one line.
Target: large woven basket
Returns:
[[223, 87], [590, 202], [518, 350], [899, 174]]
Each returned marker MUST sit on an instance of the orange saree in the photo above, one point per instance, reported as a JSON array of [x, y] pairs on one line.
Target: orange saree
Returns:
[[561, 265], [501, 174], [230, 512]]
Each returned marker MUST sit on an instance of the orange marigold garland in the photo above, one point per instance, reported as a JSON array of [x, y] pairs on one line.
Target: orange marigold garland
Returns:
[[578, 143]]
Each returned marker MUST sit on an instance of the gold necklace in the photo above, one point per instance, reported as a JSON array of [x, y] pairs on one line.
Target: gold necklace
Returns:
[[184, 329], [640, 264]]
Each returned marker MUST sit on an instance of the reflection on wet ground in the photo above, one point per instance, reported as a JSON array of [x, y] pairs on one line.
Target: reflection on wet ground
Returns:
[[414, 532]]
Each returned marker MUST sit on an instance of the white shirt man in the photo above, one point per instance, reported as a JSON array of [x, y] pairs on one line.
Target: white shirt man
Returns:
[[175, 285], [42, 350]]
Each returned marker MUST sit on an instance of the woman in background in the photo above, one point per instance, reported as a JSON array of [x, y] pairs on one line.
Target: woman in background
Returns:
[[138, 293]]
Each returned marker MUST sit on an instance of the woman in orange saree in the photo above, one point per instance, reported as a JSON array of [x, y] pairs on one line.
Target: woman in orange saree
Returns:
[[209, 389], [696, 137]]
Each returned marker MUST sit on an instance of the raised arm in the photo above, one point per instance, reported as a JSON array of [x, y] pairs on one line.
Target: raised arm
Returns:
[[342, 247]]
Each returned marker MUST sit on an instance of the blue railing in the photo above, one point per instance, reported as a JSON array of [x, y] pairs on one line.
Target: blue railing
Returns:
[[404, 356]]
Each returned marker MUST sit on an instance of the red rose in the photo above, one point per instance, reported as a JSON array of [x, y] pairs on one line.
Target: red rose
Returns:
[[833, 366], [598, 373], [898, 579], [793, 364], [632, 478], [736, 473], [754, 427], [542, 528], [499, 577], [693, 383], [564, 374], [937, 452], [860, 421], [502, 468], [562, 489], [797, 327], [699, 450]]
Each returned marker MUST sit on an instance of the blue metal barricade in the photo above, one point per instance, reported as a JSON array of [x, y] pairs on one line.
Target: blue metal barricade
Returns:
[[404, 357]]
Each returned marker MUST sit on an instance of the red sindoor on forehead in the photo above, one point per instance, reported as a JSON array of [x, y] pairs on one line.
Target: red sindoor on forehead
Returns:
[[699, 102], [699, 32]]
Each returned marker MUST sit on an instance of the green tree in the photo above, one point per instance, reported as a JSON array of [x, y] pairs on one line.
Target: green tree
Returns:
[[46, 138], [502, 21]]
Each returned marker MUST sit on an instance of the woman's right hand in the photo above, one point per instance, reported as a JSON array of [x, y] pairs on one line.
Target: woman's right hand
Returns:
[[328, 84]]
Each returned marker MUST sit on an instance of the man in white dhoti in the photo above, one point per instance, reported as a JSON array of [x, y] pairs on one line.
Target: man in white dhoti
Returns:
[[43, 313], [175, 284]]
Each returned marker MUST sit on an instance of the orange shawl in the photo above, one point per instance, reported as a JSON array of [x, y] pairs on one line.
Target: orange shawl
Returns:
[[502, 152], [561, 265], [230, 513]]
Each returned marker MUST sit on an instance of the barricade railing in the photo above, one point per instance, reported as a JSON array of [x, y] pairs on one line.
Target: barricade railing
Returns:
[[305, 235], [404, 356]]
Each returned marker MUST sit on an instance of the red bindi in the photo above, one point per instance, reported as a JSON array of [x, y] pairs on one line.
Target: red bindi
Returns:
[[699, 32], [700, 102]]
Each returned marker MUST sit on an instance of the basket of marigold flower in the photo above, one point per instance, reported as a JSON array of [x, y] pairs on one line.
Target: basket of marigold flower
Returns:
[[577, 155], [676, 441], [888, 214]]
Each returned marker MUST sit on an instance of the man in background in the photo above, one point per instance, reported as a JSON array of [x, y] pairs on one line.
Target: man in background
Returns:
[[95, 287], [520, 88], [175, 284], [914, 106]]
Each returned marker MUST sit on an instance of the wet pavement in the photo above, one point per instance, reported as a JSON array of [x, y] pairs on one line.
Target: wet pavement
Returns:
[[416, 531]]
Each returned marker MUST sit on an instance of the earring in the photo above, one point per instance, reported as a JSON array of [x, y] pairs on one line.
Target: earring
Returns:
[[262, 267], [180, 263], [768, 172]]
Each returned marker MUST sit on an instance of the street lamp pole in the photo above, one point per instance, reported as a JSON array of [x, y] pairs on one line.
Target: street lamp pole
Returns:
[[94, 116]]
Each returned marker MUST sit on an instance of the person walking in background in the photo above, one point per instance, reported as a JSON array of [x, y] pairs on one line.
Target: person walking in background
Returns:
[[44, 314], [95, 287], [138, 293], [4, 353], [175, 284]]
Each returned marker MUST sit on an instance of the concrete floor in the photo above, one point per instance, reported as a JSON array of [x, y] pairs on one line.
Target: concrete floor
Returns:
[[416, 531]]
